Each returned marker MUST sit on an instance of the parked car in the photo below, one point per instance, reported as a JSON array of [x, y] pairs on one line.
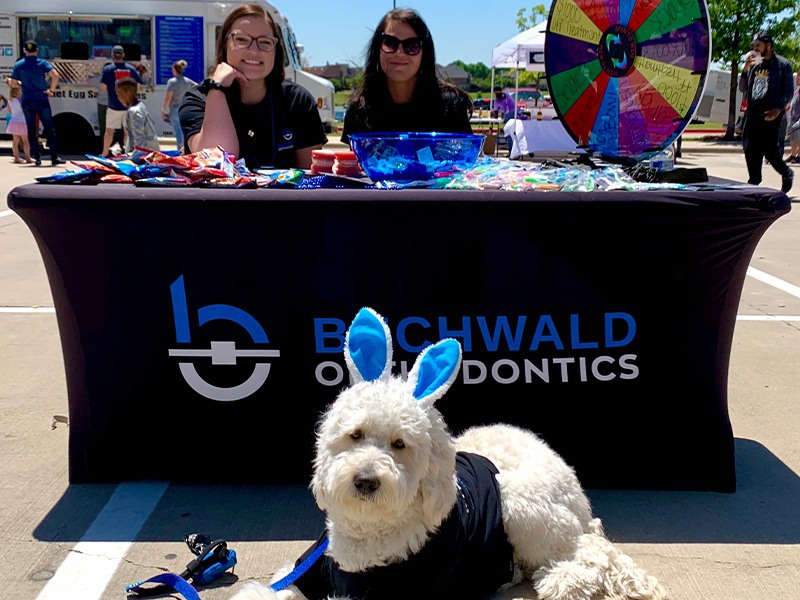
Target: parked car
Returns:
[[481, 103], [531, 100], [525, 94]]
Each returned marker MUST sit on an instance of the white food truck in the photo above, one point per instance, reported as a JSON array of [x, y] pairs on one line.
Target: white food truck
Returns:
[[715, 101], [77, 37]]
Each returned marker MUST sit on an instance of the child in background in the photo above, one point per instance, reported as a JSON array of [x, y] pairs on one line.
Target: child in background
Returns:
[[4, 104], [141, 131], [17, 127]]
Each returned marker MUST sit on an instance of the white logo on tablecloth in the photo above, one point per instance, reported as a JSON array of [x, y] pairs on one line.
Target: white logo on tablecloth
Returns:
[[220, 352]]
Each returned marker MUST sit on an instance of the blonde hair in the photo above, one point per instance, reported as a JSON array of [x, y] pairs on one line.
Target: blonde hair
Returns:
[[179, 66], [14, 92]]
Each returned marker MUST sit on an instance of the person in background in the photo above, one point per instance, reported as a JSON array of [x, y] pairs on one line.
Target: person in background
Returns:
[[31, 74], [140, 131], [177, 86], [102, 109], [783, 128], [400, 90], [505, 108], [794, 122], [247, 107], [17, 127], [504, 104], [49, 39], [4, 105], [766, 81], [144, 74], [113, 72]]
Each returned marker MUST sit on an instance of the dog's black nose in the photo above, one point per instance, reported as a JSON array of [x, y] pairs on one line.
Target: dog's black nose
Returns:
[[367, 484]]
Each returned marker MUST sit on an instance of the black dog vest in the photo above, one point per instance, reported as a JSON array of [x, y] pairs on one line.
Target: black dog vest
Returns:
[[468, 557]]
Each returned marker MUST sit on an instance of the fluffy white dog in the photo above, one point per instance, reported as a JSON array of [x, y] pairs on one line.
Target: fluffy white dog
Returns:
[[413, 513]]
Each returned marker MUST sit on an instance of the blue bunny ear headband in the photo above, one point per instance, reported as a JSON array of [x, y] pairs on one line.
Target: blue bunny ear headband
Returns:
[[368, 354]]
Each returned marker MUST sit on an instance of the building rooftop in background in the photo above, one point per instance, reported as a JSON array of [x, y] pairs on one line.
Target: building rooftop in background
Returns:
[[454, 74], [336, 71]]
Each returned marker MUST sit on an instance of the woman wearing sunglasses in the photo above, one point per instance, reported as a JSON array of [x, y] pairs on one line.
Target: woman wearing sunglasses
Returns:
[[246, 107], [401, 91]]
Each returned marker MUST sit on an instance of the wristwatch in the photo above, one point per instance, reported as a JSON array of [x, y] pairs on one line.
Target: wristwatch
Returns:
[[209, 84]]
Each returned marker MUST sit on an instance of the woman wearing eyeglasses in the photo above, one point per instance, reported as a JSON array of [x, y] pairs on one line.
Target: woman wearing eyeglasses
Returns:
[[401, 91], [246, 107]]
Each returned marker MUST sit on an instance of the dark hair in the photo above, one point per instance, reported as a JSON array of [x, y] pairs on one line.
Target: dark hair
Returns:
[[277, 74], [179, 66], [374, 91]]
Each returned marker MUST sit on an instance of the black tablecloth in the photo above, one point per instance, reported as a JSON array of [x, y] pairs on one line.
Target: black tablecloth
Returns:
[[602, 321]]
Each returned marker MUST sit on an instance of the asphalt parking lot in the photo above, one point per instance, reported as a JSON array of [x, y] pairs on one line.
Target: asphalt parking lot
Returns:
[[86, 542]]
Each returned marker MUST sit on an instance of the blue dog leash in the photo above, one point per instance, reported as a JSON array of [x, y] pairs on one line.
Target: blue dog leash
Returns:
[[304, 566], [184, 588], [172, 580]]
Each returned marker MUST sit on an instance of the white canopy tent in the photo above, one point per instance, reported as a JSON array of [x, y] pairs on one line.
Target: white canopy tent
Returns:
[[524, 50]]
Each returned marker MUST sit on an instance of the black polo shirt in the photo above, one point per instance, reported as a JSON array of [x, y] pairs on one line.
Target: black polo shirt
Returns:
[[268, 132]]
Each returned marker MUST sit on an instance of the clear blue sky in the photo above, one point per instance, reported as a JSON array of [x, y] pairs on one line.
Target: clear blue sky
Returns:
[[334, 31]]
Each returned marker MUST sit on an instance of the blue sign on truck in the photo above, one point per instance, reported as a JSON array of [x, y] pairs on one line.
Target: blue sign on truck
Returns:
[[179, 38]]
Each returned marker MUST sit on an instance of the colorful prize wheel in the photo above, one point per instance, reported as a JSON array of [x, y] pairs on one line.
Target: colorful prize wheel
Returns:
[[625, 76]]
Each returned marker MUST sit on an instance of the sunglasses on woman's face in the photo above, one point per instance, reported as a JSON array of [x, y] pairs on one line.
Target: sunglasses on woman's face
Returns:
[[390, 44]]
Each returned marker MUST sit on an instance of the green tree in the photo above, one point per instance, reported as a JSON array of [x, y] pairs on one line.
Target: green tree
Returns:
[[475, 70], [529, 17], [733, 23]]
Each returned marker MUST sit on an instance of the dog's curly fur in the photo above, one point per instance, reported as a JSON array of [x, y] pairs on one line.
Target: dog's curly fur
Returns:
[[380, 431]]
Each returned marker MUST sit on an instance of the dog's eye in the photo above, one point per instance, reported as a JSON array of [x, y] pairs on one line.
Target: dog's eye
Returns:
[[398, 444], [357, 435]]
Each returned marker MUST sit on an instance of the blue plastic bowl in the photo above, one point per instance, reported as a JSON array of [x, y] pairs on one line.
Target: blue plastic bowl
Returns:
[[414, 156]]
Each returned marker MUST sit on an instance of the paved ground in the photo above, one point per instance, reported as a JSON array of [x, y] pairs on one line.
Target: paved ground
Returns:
[[700, 545]]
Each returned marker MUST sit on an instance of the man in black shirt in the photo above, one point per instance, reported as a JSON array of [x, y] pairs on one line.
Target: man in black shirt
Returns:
[[767, 84]]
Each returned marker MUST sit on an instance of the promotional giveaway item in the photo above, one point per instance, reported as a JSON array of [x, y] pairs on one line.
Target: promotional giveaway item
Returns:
[[414, 156], [339, 162], [626, 76], [346, 164], [210, 167], [322, 161], [213, 169]]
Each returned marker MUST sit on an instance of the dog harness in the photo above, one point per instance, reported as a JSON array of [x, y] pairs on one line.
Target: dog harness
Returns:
[[468, 557]]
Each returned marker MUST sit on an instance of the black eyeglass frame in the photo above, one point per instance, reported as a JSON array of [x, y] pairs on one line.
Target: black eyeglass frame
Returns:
[[257, 40]]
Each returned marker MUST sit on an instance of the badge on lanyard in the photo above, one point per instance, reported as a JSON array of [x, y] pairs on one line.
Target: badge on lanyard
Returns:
[[285, 142]]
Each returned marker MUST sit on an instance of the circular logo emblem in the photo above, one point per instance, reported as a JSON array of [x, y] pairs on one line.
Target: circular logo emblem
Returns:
[[617, 50]]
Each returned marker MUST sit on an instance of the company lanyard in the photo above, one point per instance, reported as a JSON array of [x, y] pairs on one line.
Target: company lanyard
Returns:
[[252, 151]]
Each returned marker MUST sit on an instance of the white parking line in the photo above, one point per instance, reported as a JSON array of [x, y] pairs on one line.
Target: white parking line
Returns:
[[85, 573], [6, 213], [782, 318], [775, 282], [782, 285]]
